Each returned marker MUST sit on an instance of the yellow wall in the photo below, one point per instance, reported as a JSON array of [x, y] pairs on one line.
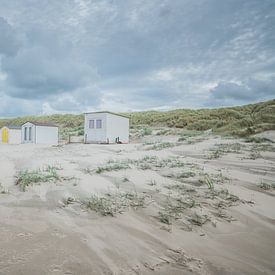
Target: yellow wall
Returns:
[[5, 135]]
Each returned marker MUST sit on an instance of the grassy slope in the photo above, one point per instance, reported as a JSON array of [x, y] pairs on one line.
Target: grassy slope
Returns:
[[241, 120]]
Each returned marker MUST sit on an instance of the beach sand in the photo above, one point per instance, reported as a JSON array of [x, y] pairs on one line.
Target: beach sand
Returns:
[[42, 234]]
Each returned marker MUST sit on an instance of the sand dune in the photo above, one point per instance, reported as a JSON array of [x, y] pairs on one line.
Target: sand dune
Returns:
[[183, 208]]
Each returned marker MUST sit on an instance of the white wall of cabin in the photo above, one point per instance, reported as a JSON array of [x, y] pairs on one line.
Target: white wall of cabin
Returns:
[[117, 127], [95, 135], [46, 135], [14, 136], [113, 126], [40, 134]]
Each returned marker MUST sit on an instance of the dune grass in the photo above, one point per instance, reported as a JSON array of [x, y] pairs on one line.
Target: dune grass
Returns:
[[111, 204], [112, 165], [3, 190], [26, 178], [239, 121], [266, 186]]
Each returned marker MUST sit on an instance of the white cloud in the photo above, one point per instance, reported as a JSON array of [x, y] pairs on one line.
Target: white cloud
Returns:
[[80, 55]]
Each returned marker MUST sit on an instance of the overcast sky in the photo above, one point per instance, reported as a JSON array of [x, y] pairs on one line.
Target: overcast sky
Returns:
[[122, 55]]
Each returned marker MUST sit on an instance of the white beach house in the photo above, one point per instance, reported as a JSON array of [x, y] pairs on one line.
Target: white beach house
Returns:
[[11, 134], [106, 127], [39, 133]]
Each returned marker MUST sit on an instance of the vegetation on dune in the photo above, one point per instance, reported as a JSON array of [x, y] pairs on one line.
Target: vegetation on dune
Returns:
[[239, 121], [27, 178], [113, 203], [266, 186], [3, 190]]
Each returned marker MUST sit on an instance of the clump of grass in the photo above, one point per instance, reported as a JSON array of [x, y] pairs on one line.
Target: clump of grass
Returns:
[[224, 148], [112, 166], [211, 179], [125, 179], [26, 177], [228, 196], [215, 154], [223, 215], [68, 200], [56, 167], [102, 205], [177, 187], [266, 186], [263, 147], [149, 162], [88, 170], [3, 190], [198, 219], [164, 217], [161, 146], [225, 195], [146, 131], [186, 202], [163, 132], [255, 154], [152, 183], [133, 200], [172, 162], [180, 139], [186, 174], [208, 181], [112, 203], [258, 140], [174, 210], [220, 178], [190, 133], [145, 163]]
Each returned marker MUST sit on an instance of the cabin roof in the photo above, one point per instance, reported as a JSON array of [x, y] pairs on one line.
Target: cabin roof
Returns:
[[13, 126], [106, 112], [46, 124]]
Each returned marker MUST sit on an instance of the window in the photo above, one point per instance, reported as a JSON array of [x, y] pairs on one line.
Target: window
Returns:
[[98, 123], [25, 133], [91, 124], [30, 133]]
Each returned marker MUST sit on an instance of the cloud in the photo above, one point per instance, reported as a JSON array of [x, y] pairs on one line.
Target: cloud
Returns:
[[45, 66], [228, 93], [13, 107], [9, 42], [81, 55]]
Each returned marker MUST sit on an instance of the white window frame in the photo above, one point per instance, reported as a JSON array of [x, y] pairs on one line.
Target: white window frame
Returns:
[[91, 123], [30, 133], [99, 120], [25, 133]]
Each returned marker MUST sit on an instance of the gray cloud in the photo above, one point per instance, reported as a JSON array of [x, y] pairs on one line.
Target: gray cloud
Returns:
[[83, 55], [9, 43], [226, 93], [46, 65]]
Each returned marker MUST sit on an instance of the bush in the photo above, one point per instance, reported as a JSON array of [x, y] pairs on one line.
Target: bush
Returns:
[[147, 131]]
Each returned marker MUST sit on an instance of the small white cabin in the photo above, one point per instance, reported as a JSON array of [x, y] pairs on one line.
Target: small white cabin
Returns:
[[11, 134], [106, 127], [40, 133]]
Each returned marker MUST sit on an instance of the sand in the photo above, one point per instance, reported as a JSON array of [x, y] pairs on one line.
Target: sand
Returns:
[[39, 234]]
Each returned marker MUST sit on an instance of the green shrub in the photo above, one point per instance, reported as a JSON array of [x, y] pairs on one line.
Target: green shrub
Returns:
[[147, 131]]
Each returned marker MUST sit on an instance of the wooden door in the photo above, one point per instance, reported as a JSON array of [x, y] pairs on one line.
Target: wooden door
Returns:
[[5, 135]]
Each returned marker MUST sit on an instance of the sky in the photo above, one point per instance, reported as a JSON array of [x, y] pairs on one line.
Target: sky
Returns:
[[73, 56]]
